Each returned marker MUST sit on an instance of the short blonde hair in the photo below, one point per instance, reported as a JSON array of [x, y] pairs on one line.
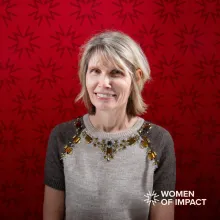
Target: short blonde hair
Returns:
[[125, 54]]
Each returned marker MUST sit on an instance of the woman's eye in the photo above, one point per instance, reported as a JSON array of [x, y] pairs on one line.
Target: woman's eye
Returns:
[[117, 72], [95, 71]]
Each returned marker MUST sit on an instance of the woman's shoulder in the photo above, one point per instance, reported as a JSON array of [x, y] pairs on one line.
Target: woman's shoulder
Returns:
[[68, 127], [157, 131], [160, 139]]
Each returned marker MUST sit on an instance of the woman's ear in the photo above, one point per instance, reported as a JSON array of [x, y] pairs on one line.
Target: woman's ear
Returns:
[[138, 75]]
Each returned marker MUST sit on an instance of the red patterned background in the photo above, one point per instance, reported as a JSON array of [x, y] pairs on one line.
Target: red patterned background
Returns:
[[39, 41]]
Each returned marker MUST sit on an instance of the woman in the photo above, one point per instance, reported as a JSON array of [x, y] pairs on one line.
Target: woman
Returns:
[[100, 165]]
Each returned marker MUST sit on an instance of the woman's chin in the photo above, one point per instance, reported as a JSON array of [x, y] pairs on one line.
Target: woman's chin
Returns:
[[105, 107]]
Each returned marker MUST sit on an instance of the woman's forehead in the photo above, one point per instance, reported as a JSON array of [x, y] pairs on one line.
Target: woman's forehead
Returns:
[[100, 60]]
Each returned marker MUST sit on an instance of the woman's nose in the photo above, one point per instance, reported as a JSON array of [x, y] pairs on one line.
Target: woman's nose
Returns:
[[104, 81]]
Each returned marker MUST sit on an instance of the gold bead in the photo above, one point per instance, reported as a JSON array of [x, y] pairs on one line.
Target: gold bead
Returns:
[[151, 155], [65, 147], [131, 140], [88, 139], [76, 139], [144, 143]]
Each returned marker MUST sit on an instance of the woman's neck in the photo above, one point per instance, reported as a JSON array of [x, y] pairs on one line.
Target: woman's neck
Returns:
[[111, 121]]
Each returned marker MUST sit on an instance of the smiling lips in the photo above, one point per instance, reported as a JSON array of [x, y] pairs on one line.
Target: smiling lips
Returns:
[[105, 95]]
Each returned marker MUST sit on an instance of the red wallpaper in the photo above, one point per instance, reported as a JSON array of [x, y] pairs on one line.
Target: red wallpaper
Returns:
[[39, 41]]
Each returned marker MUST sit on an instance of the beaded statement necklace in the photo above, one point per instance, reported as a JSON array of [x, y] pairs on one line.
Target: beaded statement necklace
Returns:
[[110, 147]]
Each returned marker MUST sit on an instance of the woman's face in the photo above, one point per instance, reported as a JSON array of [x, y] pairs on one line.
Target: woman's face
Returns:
[[108, 87]]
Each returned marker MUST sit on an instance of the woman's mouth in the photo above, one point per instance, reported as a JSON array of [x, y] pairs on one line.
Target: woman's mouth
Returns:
[[105, 95]]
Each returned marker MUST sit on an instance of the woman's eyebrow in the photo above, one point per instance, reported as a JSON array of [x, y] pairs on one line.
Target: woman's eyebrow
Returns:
[[98, 67], [91, 67]]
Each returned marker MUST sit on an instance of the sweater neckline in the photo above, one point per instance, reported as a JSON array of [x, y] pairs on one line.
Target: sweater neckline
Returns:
[[115, 135]]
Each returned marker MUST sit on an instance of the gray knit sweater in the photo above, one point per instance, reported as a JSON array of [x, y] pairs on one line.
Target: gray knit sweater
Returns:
[[110, 190]]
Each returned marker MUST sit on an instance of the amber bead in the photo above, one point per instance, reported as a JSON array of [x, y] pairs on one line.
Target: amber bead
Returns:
[[69, 150], [109, 150]]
